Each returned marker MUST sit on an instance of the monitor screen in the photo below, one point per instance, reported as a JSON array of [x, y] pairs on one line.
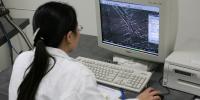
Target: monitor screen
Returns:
[[130, 26]]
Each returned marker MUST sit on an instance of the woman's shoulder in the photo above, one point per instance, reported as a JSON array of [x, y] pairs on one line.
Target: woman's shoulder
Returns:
[[24, 56], [25, 53], [77, 67]]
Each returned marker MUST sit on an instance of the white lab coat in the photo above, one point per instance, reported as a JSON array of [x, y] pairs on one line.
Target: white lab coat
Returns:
[[68, 80]]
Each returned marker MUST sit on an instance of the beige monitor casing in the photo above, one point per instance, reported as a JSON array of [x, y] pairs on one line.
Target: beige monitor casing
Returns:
[[167, 35]]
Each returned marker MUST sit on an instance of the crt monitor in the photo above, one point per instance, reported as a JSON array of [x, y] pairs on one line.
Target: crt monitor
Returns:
[[133, 28]]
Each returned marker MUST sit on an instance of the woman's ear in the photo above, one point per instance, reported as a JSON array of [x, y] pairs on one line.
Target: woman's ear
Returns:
[[69, 37]]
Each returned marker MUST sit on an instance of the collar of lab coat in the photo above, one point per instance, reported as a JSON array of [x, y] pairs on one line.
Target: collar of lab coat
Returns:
[[57, 52]]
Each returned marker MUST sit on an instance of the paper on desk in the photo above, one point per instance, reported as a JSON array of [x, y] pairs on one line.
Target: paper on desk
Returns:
[[109, 93]]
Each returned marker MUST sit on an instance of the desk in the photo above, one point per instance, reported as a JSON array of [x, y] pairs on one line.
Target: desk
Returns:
[[87, 47]]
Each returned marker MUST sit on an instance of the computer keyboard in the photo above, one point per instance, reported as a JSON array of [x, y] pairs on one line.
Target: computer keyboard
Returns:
[[115, 75]]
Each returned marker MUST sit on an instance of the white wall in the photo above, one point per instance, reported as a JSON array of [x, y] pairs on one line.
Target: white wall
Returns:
[[188, 36], [188, 27], [26, 8], [85, 11]]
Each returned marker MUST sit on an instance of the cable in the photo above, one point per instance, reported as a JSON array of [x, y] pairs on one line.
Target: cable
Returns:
[[9, 43], [24, 36], [21, 9], [7, 38], [196, 98], [2, 5], [167, 89], [9, 19], [3, 12]]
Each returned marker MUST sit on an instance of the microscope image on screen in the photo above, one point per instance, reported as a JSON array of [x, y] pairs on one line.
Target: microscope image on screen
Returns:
[[131, 26]]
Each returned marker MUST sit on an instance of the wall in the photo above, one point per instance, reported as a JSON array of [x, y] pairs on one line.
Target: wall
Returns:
[[188, 36], [85, 11], [188, 26], [26, 8]]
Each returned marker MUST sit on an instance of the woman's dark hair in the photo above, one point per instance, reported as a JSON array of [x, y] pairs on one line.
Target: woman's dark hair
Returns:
[[54, 20]]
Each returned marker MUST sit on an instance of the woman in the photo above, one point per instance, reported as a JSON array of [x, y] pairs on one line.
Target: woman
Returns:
[[47, 72]]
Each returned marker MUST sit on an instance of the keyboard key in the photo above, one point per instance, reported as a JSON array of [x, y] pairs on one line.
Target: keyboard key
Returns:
[[116, 75]]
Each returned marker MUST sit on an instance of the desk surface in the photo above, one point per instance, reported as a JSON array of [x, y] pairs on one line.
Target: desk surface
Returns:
[[88, 48]]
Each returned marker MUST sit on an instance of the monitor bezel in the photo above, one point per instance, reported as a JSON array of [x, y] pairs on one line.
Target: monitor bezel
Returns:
[[160, 57]]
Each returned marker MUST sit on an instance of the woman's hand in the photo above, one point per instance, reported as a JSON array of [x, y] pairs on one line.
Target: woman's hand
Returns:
[[149, 94]]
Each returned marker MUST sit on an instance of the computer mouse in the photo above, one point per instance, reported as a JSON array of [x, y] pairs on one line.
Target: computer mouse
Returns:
[[161, 96]]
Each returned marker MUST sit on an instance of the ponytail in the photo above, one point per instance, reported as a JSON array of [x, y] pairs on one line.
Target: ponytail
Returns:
[[51, 22], [37, 70]]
